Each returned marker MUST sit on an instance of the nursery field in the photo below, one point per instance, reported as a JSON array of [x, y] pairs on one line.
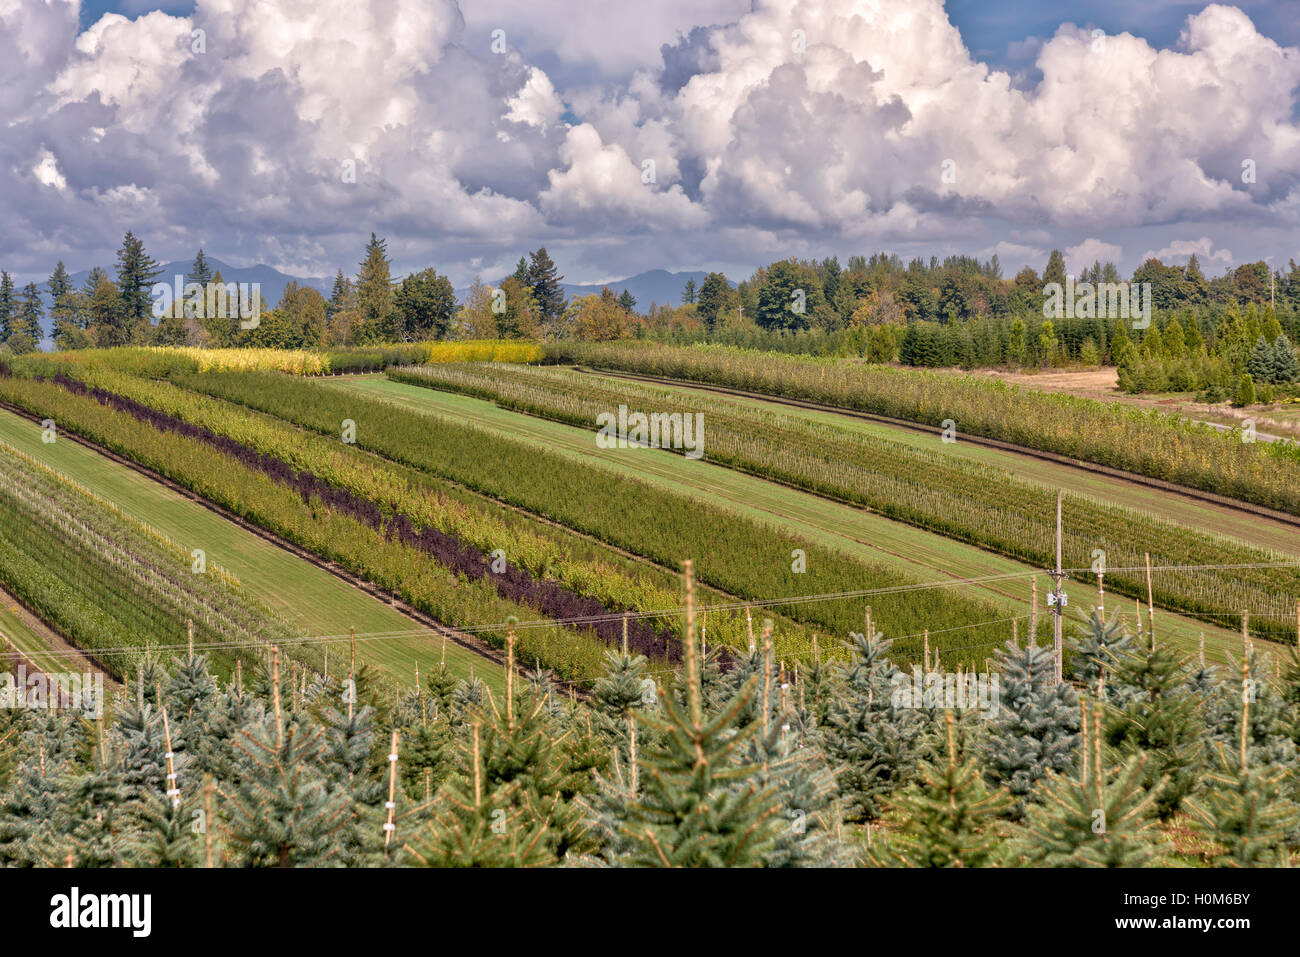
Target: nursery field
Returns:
[[922, 555], [309, 599], [1207, 516]]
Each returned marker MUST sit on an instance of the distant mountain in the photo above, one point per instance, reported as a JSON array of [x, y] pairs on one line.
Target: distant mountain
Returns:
[[272, 281], [658, 286]]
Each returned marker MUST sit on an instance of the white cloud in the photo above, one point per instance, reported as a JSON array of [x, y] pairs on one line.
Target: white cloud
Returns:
[[1181, 250], [462, 156], [47, 171], [1078, 258]]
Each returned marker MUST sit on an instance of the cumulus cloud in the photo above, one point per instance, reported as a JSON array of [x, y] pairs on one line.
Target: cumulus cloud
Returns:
[[288, 131], [1181, 250], [1078, 258]]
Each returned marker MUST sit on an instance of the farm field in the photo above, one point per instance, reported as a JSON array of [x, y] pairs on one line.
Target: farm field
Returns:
[[1280, 418], [852, 531], [1207, 516], [1144, 442], [309, 599]]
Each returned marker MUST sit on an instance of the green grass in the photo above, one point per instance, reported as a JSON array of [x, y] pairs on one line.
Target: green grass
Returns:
[[310, 599], [920, 554]]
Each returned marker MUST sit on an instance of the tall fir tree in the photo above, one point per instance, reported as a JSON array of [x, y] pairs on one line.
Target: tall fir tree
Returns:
[[544, 279], [375, 293], [7, 305], [136, 272]]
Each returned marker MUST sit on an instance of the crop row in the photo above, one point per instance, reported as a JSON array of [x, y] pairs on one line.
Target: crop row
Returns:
[[158, 361], [569, 575], [1149, 443], [738, 555], [109, 585], [970, 501], [510, 580], [330, 533]]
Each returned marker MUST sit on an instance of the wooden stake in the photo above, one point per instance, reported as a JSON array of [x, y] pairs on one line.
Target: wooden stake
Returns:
[[624, 634], [1033, 612], [189, 644], [390, 826], [692, 655], [1101, 595], [209, 821], [275, 696], [870, 634], [1245, 631], [749, 627], [632, 761], [352, 644], [767, 675], [510, 677], [1151, 604], [173, 791], [927, 651]]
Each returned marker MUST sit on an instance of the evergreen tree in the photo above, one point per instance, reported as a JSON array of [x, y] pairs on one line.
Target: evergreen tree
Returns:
[[700, 806], [871, 732], [200, 271], [1157, 714], [283, 811], [375, 296], [63, 305], [715, 295], [1100, 817], [544, 280], [1097, 649], [949, 815], [7, 305], [478, 824], [1286, 366], [688, 293], [1035, 730], [136, 272], [1055, 268], [1246, 806], [627, 302]]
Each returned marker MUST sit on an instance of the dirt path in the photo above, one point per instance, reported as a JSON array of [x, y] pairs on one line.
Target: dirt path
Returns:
[[1102, 384]]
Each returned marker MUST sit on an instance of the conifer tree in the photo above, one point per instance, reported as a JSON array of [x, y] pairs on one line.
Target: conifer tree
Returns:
[[544, 280], [282, 810], [1246, 805], [1035, 729], [136, 272], [7, 305], [1156, 713], [949, 815], [375, 294], [476, 824], [700, 806], [1101, 815], [874, 735], [1097, 648]]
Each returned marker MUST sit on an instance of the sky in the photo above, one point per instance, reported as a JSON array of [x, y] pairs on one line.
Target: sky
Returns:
[[627, 136]]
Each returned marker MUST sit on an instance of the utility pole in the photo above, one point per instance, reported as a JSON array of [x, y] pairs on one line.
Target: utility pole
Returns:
[[1057, 598]]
